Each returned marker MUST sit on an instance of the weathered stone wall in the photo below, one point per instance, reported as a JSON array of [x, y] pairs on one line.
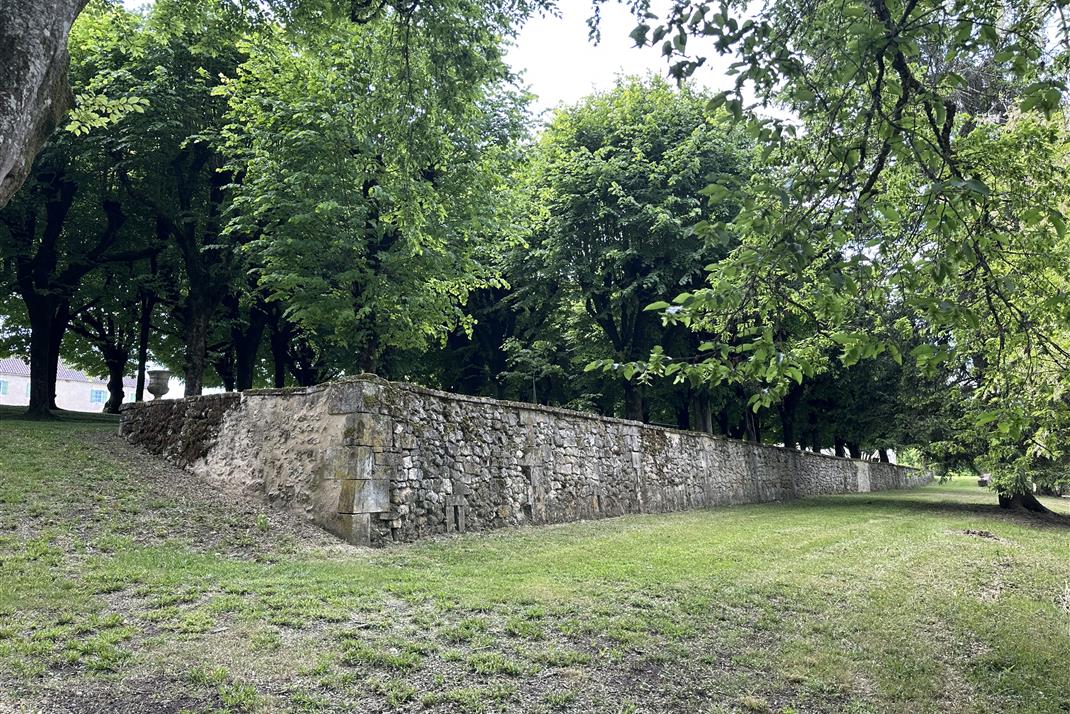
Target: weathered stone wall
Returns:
[[375, 461]]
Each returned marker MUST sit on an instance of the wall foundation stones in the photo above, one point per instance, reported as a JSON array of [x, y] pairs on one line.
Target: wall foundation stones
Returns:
[[376, 462]]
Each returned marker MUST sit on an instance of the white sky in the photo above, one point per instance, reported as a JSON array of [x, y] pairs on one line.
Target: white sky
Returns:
[[560, 65]]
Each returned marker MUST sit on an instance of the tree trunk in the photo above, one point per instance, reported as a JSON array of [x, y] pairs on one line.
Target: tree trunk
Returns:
[[34, 93], [41, 314], [841, 447], [683, 410], [854, 449], [245, 353], [1024, 500], [882, 454], [752, 426], [788, 408], [278, 340], [196, 349], [60, 320], [116, 395], [144, 326], [633, 401], [722, 422], [279, 357], [700, 408]]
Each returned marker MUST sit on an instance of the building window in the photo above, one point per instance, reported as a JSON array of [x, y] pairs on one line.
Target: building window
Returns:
[[3, 387], [97, 396]]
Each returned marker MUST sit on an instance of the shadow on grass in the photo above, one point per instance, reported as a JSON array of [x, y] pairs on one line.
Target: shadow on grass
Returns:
[[10, 413], [932, 504]]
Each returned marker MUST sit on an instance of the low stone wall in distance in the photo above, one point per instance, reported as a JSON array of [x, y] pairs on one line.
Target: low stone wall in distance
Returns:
[[376, 462]]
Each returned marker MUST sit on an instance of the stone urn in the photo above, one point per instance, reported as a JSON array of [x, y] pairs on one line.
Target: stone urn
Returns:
[[158, 382]]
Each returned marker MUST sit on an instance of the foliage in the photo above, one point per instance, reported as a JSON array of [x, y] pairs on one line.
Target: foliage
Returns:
[[920, 164], [615, 184], [373, 190]]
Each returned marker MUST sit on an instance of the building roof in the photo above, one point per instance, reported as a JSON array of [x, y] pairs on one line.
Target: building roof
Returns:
[[13, 367]]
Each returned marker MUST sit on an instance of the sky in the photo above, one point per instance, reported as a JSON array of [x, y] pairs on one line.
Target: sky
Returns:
[[561, 65]]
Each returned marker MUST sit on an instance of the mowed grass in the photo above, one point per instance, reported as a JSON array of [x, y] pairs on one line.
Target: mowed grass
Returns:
[[126, 585]]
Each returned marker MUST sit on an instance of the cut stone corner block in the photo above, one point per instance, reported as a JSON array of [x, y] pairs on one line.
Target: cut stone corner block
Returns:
[[353, 528], [368, 429], [353, 396], [364, 496]]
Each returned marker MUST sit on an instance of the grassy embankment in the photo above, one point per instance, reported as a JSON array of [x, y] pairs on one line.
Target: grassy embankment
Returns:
[[125, 585]]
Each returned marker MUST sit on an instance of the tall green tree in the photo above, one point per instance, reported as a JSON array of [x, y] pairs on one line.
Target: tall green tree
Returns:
[[372, 181], [880, 190], [616, 184]]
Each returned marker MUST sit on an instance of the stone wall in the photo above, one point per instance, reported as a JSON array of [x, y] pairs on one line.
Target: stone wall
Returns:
[[375, 461]]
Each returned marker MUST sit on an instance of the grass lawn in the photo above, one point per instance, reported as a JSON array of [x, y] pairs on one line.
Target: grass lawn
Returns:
[[126, 585]]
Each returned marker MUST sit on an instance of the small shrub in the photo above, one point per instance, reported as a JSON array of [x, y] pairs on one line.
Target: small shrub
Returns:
[[266, 641], [524, 628], [755, 704], [237, 695], [560, 657], [494, 663], [362, 653], [396, 691], [206, 676], [560, 700]]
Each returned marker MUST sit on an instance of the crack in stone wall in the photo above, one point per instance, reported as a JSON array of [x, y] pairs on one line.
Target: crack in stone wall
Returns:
[[377, 462]]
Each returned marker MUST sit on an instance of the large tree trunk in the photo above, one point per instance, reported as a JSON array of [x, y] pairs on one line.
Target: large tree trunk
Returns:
[[633, 401], [116, 369], [682, 407], [854, 449], [41, 313], [144, 326], [34, 93], [196, 350], [1024, 500], [224, 367], [787, 409], [703, 417], [61, 318], [246, 349], [280, 357], [752, 426]]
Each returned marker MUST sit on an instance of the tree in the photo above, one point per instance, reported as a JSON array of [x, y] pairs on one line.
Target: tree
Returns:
[[34, 93], [105, 317], [616, 182], [372, 183], [53, 242], [876, 191]]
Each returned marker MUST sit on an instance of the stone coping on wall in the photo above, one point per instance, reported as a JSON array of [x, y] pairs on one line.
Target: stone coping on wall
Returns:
[[341, 382]]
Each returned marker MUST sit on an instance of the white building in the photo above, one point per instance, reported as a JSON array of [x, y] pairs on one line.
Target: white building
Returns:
[[75, 391]]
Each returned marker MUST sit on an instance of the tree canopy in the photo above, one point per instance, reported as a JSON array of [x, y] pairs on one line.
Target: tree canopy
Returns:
[[859, 247]]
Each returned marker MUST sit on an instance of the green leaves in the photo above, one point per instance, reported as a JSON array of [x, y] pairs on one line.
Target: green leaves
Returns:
[[96, 111]]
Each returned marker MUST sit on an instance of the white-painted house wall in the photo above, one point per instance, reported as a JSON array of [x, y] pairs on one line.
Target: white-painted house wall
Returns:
[[73, 394]]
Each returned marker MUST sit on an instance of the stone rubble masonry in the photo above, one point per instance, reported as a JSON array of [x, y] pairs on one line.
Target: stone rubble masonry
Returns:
[[376, 462]]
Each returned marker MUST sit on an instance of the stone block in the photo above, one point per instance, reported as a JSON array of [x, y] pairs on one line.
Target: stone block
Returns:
[[365, 429], [342, 462], [364, 496], [353, 528], [353, 397]]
